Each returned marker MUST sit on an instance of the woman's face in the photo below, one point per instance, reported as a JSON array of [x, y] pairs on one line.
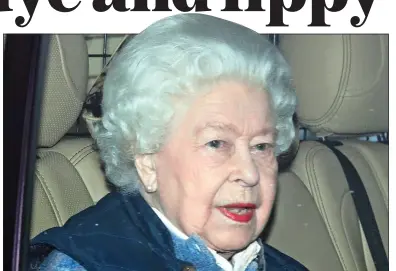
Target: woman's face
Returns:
[[216, 175]]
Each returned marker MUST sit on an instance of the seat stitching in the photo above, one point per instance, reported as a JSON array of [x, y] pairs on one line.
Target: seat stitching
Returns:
[[345, 232], [81, 150], [322, 205], [375, 172], [51, 199], [83, 156], [343, 82], [93, 202], [312, 153], [316, 191], [372, 168], [66, 71]]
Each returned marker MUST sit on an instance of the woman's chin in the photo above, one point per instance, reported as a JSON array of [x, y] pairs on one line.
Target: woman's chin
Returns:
[[231, 242]]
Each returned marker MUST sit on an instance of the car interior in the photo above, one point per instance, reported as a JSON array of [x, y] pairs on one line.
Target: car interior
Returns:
[[341, 83]]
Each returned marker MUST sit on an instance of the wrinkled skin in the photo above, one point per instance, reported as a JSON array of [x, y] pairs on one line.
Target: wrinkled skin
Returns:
[[220, 151]]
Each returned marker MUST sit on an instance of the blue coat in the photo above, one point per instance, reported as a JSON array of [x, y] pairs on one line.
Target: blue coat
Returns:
[[121, 232]]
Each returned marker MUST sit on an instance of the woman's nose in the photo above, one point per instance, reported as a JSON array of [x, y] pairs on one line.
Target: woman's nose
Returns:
[[245, 170]]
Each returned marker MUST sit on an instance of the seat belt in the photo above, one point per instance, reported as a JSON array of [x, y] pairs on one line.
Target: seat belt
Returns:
[[363, 207]]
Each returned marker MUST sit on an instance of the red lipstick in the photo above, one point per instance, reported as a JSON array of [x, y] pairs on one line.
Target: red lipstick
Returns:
[[239, 212]]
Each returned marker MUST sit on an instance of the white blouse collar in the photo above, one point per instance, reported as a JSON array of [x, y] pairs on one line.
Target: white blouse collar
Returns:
[[239, 261]]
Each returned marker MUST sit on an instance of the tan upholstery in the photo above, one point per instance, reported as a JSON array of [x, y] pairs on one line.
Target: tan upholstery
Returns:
[[82, 153], [298, 229], [65, 86], [59, 192], [341, 81], [68, 175], [342, 86], [318, 167]]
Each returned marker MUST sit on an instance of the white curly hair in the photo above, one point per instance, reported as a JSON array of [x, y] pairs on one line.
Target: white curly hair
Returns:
[[176, 57]]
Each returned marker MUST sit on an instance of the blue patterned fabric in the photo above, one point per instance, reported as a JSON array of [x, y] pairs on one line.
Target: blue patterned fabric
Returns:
[[121, 232], [192, 250], [61, 262], [195, 251]]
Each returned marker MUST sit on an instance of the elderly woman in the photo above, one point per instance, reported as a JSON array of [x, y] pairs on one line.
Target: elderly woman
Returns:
[[195, 111]]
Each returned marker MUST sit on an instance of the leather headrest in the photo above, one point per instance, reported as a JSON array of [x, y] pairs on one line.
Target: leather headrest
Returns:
[[65, 87], [341, 82]]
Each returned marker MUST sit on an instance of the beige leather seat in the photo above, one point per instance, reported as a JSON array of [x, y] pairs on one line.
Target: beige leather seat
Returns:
[[297, 227], [342, 86], [68, 177]]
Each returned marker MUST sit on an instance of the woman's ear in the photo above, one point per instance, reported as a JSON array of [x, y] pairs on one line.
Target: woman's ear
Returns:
[[145, 166]]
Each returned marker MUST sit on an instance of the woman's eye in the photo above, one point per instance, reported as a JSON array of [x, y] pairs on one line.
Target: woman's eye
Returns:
[[215, 144], [263, 147]]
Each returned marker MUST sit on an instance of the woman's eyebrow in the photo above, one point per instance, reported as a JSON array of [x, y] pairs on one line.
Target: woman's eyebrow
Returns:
[[220, 126], [227, 127]]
